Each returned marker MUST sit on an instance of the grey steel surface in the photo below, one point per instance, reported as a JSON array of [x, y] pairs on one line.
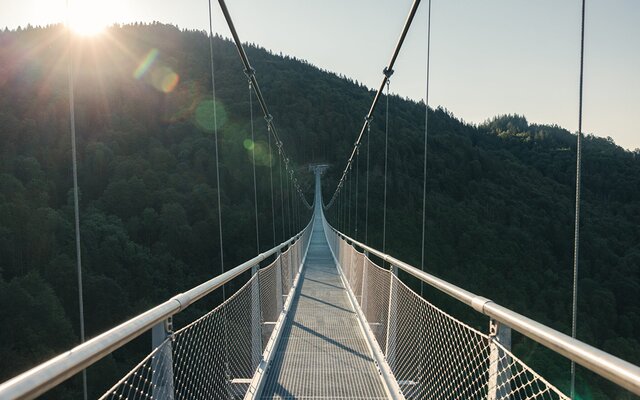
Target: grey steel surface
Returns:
[[322, 352], [45, 376], [604, 364]]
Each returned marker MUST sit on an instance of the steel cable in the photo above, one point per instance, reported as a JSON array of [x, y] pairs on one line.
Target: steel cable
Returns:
[[76, 201], [576, 234], [426, 124], [366, 208], [281, 192], [357, 189], [253, 155], [215, 139], [273, 208], [386, 164]]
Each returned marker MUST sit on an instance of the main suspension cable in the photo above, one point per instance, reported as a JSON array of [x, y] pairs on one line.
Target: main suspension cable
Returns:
[[367, 121], [254, 84]]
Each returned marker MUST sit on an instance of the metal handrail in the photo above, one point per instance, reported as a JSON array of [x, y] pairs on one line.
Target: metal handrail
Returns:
[[47, 375], [604, 364]]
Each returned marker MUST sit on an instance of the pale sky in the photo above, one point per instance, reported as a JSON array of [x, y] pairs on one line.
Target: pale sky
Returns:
[[488, 57]]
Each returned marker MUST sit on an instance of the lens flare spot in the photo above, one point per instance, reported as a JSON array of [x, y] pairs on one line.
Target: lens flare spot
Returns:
[[266, 159], [205, 115], [146, 63], [260, 150], [169, 82], [164, 79]]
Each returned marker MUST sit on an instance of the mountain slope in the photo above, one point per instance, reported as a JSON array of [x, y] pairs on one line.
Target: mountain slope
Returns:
[[499, 196]]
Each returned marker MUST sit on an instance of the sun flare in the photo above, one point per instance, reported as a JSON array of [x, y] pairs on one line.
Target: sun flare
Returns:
[[91, 17]]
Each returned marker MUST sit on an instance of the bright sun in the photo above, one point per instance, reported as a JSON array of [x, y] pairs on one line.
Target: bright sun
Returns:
[[91, 17]]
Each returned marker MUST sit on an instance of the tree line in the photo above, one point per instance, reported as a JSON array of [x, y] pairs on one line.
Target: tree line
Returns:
[[499, 195]]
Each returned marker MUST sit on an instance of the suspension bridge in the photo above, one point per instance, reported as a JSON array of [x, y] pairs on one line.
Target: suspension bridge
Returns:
[[325, 316]]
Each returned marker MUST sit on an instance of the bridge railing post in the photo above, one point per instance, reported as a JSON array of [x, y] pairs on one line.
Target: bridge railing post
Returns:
[[279, 294], [392, 316], [295, 263], [499, 362], [364, 284], [256, 319], [349, 259], [162, 361]]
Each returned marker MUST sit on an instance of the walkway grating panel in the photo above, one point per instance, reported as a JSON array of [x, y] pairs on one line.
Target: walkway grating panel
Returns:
[[322, 353]]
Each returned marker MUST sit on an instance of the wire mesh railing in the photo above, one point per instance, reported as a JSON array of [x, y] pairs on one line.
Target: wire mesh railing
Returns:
[[434, 356], [431, 354], [216, 356], [206, 359]]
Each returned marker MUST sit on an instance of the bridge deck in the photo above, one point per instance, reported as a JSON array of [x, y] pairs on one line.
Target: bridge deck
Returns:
[[322, 352]]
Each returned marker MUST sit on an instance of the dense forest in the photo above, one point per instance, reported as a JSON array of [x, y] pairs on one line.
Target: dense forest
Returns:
[[499, 195]]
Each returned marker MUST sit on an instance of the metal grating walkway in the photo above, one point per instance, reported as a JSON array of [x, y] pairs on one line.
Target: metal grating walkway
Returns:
[[322, 353]]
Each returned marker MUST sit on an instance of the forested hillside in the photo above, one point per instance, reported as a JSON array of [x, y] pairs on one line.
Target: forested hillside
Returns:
[[499, 195]]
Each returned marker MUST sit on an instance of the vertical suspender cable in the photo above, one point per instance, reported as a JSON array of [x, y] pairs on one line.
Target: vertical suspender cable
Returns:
[[215, 138], [576, 233], [349, 203], [340, 211], [296, 208], [357, 204], [426, 124], [76, 202], [334, 213], [294, 205], [386, 164], [289, 200], [366, 207], [281, 193], [299, 205], [289, 184], [337, 212], [273, 207], [253, 155], [337, 206], [344, 209], [218, 189]]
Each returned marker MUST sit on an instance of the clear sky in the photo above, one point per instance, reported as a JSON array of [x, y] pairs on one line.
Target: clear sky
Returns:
[[488, 57]]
